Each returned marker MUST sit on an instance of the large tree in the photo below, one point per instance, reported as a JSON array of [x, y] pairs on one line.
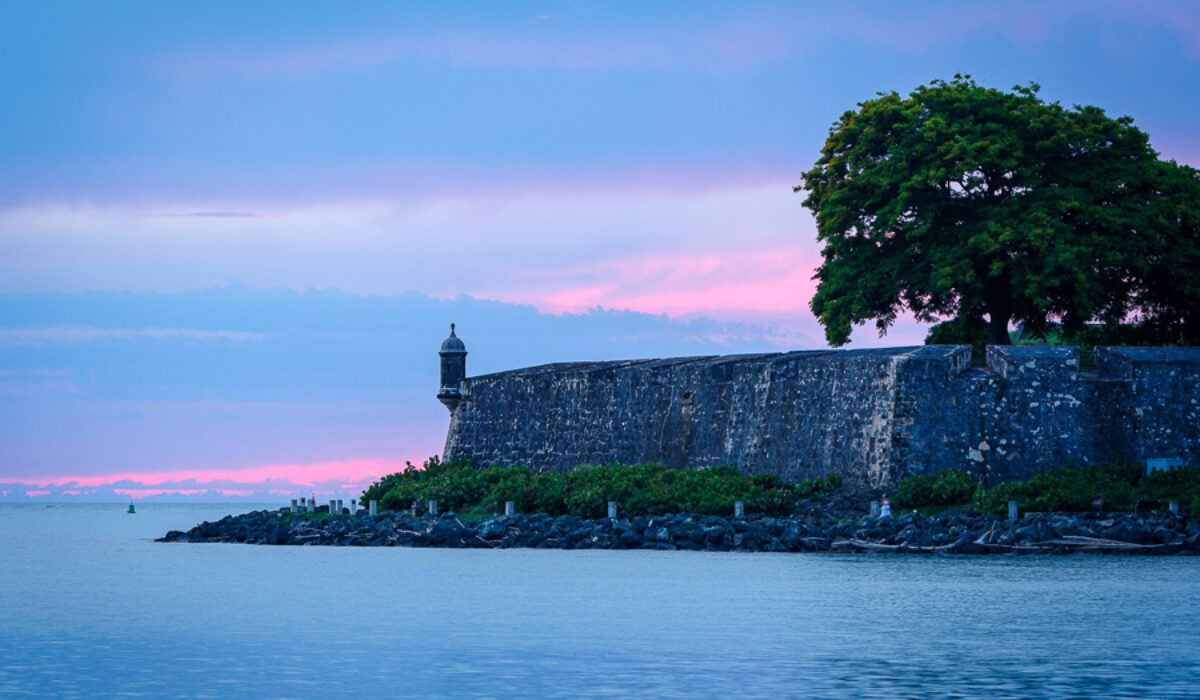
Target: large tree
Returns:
[[963, 202]]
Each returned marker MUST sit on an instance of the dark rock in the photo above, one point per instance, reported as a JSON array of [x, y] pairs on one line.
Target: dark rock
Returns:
[[492, 529], [773, 526], [629, 539], [715, 535], [792, 538]]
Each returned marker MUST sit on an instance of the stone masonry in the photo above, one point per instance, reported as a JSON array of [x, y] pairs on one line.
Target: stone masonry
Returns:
[[873, 416]]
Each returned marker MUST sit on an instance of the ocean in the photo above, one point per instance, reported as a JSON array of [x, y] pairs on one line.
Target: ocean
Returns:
[[91, 606]]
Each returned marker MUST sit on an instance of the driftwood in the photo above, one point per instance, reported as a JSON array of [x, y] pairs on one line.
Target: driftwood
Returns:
[[1072, 542], [1101, 543], [1034, 548], [986, 538], [866, 545], [307, 533], [881, 547]]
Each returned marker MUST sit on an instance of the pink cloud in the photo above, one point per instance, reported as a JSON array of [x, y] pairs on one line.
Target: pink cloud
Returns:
[[265, 483], [281, 478], [574, 300], [763, 282]]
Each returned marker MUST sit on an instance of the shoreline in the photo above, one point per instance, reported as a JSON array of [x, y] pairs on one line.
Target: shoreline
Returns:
[[948, 532]]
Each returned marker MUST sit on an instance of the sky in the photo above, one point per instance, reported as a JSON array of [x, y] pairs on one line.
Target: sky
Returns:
[[232, 235]]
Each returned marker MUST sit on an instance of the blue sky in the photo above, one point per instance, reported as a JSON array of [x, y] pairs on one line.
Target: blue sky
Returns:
[[232, 234]]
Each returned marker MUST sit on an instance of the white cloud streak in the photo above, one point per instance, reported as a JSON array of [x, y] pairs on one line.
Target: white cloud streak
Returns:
[[15, 337]]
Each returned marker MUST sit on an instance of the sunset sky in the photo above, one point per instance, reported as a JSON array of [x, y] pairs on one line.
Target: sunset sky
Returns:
[[232, 235]]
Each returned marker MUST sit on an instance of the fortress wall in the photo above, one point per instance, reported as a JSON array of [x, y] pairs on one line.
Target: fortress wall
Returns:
[[1161, 400], [1033, 409], [1038, 414], [800, 415], [795, 415], [935, 411], [560, 415], [873, 416]]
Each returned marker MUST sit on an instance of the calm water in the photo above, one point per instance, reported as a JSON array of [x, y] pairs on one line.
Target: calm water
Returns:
[[90, 606]]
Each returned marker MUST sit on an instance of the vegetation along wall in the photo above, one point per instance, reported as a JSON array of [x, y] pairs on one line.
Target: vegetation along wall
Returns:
[[873, 416]]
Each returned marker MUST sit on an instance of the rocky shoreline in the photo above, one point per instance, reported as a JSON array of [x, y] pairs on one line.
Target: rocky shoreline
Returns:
[[949, 532]]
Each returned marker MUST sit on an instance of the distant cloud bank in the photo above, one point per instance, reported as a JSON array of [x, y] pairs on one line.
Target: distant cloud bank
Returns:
[[276, 482]]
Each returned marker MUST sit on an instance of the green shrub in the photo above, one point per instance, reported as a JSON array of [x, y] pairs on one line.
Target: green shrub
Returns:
[[377, 490], [1064, 489], [995, 499], [1181, 485], [645, 489], [946, 488], [915, 491], [652, 489], [453, 484], [712, 491], [953, 487], [815, 488]]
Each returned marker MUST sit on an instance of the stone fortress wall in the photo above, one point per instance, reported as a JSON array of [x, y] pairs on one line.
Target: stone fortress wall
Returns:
[[873, 416]]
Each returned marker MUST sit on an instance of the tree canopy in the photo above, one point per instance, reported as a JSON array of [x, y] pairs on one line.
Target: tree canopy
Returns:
[[961, 202]]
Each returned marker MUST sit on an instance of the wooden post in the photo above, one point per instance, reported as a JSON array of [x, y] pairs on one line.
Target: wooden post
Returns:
[[373, 508], [612, 510], [510, 508], [739, 509], [1012, 511], [433, 508]]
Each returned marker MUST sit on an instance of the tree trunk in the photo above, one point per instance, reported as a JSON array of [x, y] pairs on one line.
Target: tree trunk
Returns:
[[997, 331], [998, 297]]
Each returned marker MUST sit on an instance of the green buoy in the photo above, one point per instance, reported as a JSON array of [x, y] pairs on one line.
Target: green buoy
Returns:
[[131, 510]]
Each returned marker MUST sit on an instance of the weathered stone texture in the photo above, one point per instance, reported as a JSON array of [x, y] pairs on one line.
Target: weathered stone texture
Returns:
[[873, 416]]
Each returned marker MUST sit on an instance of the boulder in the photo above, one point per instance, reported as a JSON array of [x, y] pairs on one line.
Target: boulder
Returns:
[[492, 529]]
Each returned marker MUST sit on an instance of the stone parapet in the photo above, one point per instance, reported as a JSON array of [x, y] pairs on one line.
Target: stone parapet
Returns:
[[872, 416]]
